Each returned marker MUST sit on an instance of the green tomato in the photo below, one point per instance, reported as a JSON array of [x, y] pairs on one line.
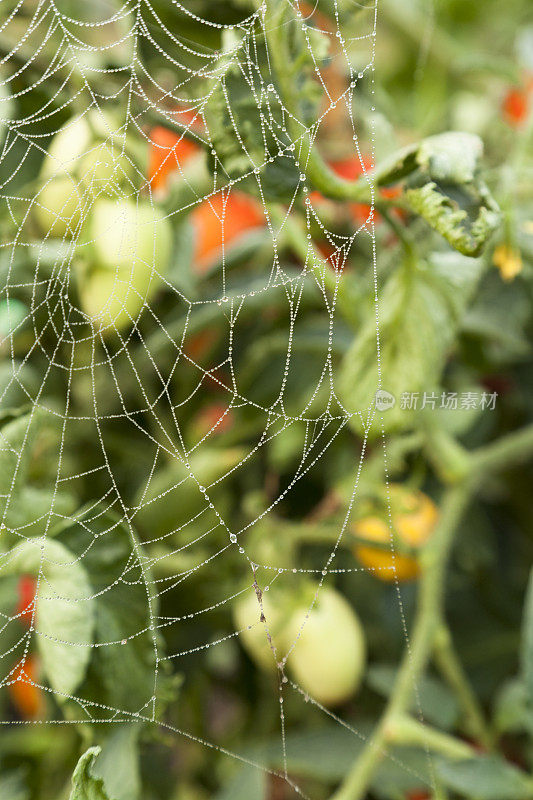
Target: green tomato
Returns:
[[125, 233], [255, 633], [329, 655], [59, 206], [103, 169], [76, 170], [172, 498], [130, 247]]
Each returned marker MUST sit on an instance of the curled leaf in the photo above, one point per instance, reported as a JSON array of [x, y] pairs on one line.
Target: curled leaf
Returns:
[[443, 186], [85, 785]]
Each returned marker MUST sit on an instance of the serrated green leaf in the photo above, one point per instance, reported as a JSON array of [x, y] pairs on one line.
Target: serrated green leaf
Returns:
[[246, 120], [444, 188], [65, 610], [449, 217], [485, 778], [419, 315], [85, 785]]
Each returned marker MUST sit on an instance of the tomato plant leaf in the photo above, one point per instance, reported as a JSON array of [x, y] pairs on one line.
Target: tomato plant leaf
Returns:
[[118, 763], [448, 216], [32, 508], [438, 704], [248, 123], [443, 187], [485, 778], [65, 616], [13, 786], [248, 782], [18, 381], [121, 672], [86, 785], [419, 315], [512, 711], [17, 436], [327, 753]]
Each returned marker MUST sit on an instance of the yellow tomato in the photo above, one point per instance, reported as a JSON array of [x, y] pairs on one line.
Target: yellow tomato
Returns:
[[414, 516]]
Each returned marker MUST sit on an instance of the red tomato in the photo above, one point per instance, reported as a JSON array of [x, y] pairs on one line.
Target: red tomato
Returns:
[[26, 592], [169, 152], [25, 695], [219, 221]]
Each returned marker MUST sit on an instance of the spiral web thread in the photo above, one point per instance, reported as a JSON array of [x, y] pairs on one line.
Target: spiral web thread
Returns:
[[71, 81]]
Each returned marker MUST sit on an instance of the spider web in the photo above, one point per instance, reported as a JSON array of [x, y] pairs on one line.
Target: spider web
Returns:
[[84, 67]]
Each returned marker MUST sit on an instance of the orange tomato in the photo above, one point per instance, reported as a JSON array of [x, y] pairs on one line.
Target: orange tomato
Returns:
[[26, 592], [219, 221], [414, 516], [516, 106], [169, 152], [25, 695], [351, 169], [213, 419]]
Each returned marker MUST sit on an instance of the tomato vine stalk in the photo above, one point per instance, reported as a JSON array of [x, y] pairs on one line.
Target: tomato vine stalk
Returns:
[[508, 452]]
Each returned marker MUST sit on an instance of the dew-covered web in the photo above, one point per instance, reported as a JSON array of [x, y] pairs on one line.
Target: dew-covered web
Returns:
[[109, 501]]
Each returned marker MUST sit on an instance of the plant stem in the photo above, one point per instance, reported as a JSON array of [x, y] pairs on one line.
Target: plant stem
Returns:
[[434, 559], [324, 273], [404, 730], [315, 168], [452, 670], [506, 452], [400, 230]]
